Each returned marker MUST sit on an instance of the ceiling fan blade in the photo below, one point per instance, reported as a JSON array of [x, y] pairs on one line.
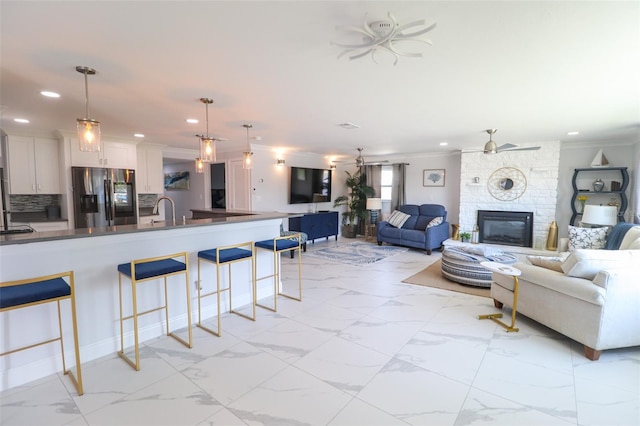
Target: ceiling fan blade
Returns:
[[530, 148], [506, 146]]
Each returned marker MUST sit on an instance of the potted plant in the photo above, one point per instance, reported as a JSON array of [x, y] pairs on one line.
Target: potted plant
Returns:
[[465, 236], [355, 201]]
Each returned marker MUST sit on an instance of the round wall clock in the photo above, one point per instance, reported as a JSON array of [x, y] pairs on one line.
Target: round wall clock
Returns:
[[507, 184]]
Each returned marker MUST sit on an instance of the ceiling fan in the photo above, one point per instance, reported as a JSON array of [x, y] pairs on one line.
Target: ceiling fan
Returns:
[[359, 160], [492, 148]]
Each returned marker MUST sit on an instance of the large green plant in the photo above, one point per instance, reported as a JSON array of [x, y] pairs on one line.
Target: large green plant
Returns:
[[356, 200]]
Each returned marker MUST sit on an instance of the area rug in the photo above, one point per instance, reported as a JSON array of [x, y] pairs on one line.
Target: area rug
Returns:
[[357, 253], [432, 277]]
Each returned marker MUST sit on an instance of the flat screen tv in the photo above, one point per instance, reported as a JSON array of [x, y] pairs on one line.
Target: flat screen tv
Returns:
[[309, 185]]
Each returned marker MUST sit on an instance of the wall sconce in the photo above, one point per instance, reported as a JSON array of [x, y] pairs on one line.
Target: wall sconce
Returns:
[[332, 165], [280, 162]]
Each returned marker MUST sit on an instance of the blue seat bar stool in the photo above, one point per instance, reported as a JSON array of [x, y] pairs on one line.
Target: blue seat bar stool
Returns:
[[153, 268], [221, 256], [277, 246], [45, 289]]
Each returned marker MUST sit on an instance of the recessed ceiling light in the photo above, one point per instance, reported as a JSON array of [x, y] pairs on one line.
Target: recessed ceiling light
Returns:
[[444, 143], [50, 94], [138, 135], [573, 133], [192, 120], [21, 120], [348, 125]]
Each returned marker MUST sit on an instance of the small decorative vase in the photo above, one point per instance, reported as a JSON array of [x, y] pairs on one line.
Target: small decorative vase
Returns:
[[552, 238], [582, 202], [598, 185], [455, 231]]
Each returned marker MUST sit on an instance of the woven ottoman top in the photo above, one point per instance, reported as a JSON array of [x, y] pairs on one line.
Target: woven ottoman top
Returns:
[[463, 266]]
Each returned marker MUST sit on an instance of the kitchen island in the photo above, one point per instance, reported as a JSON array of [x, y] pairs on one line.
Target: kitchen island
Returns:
[[93, 254]]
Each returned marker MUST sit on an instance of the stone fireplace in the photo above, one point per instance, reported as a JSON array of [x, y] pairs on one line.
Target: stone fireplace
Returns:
[[506, 227], [538, 195]]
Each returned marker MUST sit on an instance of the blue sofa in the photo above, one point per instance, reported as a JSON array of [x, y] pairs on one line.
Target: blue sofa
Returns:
[[414, 232]]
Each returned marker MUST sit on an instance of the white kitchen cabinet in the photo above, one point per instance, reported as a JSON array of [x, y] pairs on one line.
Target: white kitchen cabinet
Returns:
[[33, 165], [149, 174], [116, 155]]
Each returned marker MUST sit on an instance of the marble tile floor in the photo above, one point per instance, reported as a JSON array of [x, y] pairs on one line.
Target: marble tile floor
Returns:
[[362, 348]]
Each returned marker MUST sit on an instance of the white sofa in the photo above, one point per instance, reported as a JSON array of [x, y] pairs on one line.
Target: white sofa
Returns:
[[592, 297]]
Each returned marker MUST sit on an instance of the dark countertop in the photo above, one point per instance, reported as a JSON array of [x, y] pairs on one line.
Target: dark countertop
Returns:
[[238, 217]]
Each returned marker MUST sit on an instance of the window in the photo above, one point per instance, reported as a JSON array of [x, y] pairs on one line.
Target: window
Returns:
[[385, 184]]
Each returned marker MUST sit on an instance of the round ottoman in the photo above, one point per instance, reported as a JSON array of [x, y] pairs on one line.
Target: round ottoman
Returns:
[[463, 267]]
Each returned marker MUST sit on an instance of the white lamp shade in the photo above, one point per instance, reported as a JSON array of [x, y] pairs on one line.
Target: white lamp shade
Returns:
[[600, 215], [374, 203]]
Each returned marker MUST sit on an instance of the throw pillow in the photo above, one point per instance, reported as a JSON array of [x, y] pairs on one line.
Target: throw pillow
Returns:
[[587, 263], [397, 218], [547, 262], [422, 222], [435, 221], [586, 238]]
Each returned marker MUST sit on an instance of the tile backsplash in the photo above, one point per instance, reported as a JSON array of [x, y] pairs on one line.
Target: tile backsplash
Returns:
[[32, 203]]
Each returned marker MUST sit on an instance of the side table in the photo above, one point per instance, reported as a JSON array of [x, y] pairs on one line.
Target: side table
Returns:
[[371, 233], [503, 269]]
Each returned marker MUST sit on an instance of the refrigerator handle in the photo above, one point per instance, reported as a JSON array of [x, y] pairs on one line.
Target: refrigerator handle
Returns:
[[107, 201]]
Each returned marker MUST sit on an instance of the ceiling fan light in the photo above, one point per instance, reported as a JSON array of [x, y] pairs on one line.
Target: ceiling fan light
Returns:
[[491, 148]]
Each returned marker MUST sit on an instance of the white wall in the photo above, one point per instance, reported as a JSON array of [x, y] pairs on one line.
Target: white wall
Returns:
[[195, 197], [270, 182]]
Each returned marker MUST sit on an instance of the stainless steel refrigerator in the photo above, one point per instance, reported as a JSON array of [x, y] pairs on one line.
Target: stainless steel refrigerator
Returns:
[[103, 197]]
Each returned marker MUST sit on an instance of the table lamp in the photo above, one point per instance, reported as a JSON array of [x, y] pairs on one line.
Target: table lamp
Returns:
[[600, 215], [374, 204]]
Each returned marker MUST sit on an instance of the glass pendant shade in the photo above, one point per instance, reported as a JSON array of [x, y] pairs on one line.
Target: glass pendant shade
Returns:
[[199, 165], [208, 150], [247, 162], [207, 144], [88, 135], [88, 129]]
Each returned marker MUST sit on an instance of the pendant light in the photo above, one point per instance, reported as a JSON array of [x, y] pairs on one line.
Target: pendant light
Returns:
[[207, 144], [246, 162], [88, 129], [199, 165]]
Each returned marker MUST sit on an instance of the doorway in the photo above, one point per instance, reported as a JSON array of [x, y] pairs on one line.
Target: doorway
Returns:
[[218, 195]]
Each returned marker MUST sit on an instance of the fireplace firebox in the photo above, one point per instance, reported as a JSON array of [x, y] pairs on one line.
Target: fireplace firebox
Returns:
[[507, 228]]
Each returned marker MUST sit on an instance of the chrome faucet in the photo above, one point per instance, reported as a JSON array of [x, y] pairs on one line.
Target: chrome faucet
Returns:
[[173, 207]]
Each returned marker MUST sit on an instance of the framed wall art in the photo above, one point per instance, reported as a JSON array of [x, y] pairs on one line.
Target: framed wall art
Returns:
[[433, 177], [176, 181]]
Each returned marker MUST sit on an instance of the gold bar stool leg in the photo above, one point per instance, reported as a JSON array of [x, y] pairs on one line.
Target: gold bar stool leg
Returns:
[[277, 246], [142, 270], [40, 290], [221, 256]]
